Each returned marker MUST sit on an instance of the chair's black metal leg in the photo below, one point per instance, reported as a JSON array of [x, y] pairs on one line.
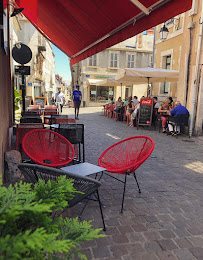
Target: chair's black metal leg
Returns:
[[137, 183], [87, 200], [79, 152], [123, 193], [100, 206], [83, 151], [101, 176]]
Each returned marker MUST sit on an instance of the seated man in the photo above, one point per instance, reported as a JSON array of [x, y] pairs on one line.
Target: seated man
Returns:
[[156, 103], [175, 112], [127, 102], [135, 101]]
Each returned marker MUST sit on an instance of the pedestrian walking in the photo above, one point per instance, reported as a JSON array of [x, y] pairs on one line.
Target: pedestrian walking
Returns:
[[60, 100], [77, 97]]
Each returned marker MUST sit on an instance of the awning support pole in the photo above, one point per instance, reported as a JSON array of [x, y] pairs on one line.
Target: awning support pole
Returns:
[[194, 93]]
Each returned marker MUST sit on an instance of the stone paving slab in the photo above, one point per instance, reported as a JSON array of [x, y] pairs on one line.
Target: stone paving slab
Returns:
[[165, 221]]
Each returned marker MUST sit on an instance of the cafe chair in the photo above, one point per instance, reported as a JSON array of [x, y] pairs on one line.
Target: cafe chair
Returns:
[[34, 108], [65, 121], [111, 111], [119, 115], [125, 157], [106, 108], [180, 120], [29, 114], [22, 130], [48, 112], [74, 133], [86, 186], [51, 107], [53, 117], [48, 148], [31, 119]]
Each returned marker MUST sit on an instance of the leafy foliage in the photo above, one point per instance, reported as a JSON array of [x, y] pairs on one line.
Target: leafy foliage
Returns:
[[17, 98], [27, 228]]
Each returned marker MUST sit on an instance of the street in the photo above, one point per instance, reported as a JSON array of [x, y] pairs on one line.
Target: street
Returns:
[[165, 221]]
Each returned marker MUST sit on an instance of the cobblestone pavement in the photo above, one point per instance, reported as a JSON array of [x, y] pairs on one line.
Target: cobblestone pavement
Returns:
[[165, 221]]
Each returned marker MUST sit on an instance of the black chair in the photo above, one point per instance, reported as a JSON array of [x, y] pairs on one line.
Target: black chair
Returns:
[[87, 186], [75, 135], [181, 120], [120, 113], [53, 117], [31, 120], [29, 114]]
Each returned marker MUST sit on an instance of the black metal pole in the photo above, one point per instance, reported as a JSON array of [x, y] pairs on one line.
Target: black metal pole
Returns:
[[23, 91]]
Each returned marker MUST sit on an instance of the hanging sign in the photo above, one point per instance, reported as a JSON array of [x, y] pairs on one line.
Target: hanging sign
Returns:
[[22, 70]]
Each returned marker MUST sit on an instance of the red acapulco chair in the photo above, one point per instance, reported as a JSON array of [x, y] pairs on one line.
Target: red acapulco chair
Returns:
[[126, 157], [48, 148]]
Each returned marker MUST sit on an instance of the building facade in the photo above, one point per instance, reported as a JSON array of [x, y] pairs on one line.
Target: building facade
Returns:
[[135, 52], [182, 51], [41, 80]]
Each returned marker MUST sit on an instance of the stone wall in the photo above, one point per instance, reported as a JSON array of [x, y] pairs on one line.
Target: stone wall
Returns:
[[6, 104]]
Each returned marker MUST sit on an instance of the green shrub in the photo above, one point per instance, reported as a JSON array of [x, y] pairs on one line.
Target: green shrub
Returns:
[[27, 228]]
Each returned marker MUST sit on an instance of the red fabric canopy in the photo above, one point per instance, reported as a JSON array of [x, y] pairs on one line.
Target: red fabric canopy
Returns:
[[81, 28]]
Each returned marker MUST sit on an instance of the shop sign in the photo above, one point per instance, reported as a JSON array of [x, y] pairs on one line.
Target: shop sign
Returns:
[[103, 77], [29, 84], [23, 70], [36, 84], [87, 76], [93, 92]]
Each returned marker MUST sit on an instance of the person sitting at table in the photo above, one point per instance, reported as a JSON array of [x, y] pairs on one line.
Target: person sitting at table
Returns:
[[177, 110], [130, 109], [118, 105], [135, 101], [134, 114], [171, 103], [127, 102], [163, 110], [155, 110], [111, 101], [156, 103]]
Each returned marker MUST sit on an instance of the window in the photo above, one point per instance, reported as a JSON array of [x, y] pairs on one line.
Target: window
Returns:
[[131, 61], [168, 66], [114, 59], [93, 60], [101, 93]]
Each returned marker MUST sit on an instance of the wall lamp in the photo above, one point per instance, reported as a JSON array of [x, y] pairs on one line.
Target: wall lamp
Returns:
[[164, 30], [16, 11], [163, 33]]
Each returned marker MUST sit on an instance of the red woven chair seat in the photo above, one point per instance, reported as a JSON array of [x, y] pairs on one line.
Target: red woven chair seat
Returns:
[[126, 155], [48, 148]]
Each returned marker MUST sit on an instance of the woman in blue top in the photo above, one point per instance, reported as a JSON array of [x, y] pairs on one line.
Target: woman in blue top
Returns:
[[77, 96]]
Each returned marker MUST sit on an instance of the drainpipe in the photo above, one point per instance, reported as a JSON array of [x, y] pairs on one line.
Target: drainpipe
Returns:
[[194, 94], [153, 57]]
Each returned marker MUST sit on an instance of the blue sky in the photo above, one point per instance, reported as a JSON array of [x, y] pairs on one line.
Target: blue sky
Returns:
[[62, 64]]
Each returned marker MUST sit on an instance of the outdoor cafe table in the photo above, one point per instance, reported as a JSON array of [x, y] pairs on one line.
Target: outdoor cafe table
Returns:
[[84, 169]]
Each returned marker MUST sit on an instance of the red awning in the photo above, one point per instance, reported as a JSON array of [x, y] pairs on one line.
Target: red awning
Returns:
[[81, 28]]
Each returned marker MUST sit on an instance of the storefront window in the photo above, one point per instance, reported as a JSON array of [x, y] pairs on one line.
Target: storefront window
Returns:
[[93, 93], [101, 93]]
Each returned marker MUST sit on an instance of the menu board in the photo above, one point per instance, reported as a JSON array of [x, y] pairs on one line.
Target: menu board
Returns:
[[28, 100], [42, 101], [145, 112]]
